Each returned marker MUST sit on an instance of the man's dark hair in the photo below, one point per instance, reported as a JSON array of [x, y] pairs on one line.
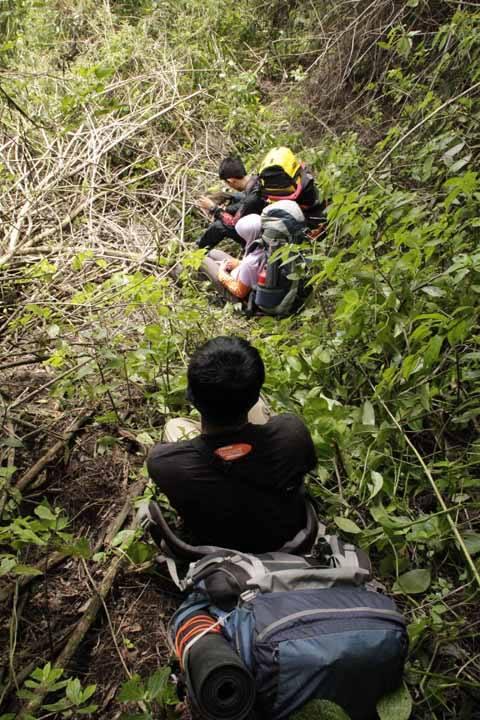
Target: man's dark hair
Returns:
[[231, 167], [224, 379]]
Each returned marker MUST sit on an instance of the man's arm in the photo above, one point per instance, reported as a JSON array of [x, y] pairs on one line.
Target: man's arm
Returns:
[[297, 442], [160, 465], [252, 202]]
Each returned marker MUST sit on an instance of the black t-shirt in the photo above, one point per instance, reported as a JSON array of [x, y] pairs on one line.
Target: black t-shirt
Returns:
[[254, 503], [249, 201]]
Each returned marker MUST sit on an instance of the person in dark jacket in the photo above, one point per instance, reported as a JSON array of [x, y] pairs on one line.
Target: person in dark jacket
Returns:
[[247, 200], [239, 481]]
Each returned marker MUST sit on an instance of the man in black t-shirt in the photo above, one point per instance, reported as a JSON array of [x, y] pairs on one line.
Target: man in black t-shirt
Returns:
[[240, 483], [250, 200]]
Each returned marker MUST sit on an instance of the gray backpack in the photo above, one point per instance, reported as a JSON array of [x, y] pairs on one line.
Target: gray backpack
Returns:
[[305, 627], [229, 576]]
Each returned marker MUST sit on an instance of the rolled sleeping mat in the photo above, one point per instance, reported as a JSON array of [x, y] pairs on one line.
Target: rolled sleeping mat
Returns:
[[219, 685]]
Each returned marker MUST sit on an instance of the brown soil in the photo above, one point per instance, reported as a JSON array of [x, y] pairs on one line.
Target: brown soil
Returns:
[[90, 482]]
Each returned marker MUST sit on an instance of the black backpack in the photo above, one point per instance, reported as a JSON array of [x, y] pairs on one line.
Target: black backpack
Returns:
[[280, 174]]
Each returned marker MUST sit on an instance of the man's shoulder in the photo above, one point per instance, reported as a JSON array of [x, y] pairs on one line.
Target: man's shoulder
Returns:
[[253, 185], [164, 454], [287, 421], [290, 432]]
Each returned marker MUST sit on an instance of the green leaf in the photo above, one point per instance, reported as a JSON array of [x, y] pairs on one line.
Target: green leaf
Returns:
[[451, 152], [459, 164], [27, 570], [7, 472], [320, 710], [158, 682], [16, 442], [132, 690], [411, 364], [368, 413], [377, 484], [433, 291], [432, 350], [294, 363], [124, 537], [43, 512], [472, 542], [62, 704], [145, 438], [413, 582], [88, 692], [404, 45], [459, 332], [347, 525], [80, 548], [53, 331], [26, 694], [397, 705], [74, 691], [7, 565]]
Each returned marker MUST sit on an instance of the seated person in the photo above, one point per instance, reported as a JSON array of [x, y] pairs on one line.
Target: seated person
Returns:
[[240, 483], [248, 199], [276, 185], [235, 278]]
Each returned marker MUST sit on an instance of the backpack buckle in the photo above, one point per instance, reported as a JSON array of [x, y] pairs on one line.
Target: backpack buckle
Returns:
[[247, 595]]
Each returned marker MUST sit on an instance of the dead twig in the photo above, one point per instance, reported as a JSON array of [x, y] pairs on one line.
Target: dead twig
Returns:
[[52, 452], [82, 626], [105, 539]]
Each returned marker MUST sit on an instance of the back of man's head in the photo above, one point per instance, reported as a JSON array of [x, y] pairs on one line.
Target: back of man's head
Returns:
[[231, 167], [224, 379]]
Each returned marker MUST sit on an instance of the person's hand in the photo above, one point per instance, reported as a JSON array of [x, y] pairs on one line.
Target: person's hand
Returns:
[[205, 203], [225, 265], [144, 519]]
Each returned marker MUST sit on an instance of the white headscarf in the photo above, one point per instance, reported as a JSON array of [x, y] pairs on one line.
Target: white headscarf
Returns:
[[249, 228]]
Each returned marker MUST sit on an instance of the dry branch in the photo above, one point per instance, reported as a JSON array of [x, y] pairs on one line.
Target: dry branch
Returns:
[[105, 539], [94, 604], [52, 452], [79, 632], [50, 181], [37, 391]]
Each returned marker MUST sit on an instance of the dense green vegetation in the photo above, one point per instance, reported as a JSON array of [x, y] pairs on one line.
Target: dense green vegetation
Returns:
[[113, 116]]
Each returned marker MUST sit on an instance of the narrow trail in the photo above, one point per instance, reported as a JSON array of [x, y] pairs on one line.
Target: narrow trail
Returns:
[[113, 117]]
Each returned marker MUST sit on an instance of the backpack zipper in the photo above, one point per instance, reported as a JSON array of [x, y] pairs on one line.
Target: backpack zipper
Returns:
[[327, 613]]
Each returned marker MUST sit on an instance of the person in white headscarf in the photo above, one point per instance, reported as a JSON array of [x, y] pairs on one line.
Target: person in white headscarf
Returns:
[[232, 277]]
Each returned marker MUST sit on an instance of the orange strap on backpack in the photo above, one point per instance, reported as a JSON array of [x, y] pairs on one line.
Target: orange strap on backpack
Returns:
[[193, 627]]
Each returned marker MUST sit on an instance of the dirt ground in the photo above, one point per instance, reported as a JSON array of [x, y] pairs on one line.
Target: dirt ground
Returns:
[[91, 482]]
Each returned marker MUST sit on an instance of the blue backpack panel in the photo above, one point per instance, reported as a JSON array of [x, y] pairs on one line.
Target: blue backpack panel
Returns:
[[344, 644]]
